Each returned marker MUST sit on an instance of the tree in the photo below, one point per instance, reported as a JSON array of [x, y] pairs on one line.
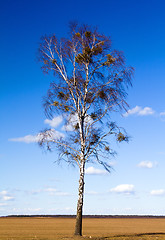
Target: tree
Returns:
[[91, 81]]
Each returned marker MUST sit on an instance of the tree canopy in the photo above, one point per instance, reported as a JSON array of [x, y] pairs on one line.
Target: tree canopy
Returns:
[[90, 83]]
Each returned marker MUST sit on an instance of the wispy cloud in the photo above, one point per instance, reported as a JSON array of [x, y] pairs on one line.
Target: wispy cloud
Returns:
[[36, 138], [95, 171], [5, 196], [68, 127], [56, 121], [123, 189], [161, 153], [25, 210], [4, 192], [49, 190], [112, 163], [62, 194], [54, 191], [26, 139], [3, 204], [162, 114], [159, 192], [147, 164], [73, 120], [139, 111], [34, 192], [146, 111], [91, 193]]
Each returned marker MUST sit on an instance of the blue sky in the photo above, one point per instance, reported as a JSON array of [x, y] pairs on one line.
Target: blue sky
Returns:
[[30, 181]]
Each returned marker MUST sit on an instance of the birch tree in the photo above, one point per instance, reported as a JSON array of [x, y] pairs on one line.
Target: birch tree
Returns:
[[90, 83]]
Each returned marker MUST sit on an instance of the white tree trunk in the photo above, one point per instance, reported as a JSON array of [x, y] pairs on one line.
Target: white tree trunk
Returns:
[[78, 226]]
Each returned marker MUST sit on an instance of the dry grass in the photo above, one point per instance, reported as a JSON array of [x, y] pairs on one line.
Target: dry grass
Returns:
[[100, 229]]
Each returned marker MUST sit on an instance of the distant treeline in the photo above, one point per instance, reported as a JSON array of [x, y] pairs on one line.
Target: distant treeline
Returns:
[[86, 216]]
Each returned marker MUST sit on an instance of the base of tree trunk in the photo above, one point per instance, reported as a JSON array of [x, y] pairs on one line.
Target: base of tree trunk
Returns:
[[78, 226]]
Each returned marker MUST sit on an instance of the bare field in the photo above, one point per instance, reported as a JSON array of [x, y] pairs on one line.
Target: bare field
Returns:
[[93, 228]]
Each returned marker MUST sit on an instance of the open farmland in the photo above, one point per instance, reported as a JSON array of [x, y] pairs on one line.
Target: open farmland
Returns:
[[93, 228]]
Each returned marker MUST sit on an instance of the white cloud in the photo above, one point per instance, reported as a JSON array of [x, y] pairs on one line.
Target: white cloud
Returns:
[[88, 120], [159, 192], [3, 192], [5, 196], [25, 210], [124, 188], [146, 111], [53, 134], [36, 138], [68, 127], [62, 194], [56, 121], [30, 210], [26, 139], [147, 164], [54, 191], [132, 111], [95, 171], [3, 204], [139, 111], [91, 193], [50, 190], [33, 192], [161, 153], [112, 163], [72, 120], [162, 116]]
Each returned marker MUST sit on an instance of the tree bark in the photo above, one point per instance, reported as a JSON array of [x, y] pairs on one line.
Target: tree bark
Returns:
[[78, 226]]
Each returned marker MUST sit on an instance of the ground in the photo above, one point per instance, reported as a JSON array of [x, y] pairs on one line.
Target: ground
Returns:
[[93, 228]]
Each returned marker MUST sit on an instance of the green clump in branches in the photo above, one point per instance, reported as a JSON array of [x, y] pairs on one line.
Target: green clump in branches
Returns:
[[63, 96], [78, 34], [89, 97], [76, 140], [102, 94], [54, 61], [66, 153], [110, 60], [107, 148], [55, 103], [93, 116], [87, 50], [83, 58], [121, 137], [97, 50], [66, 108], [88, 34], [95, 138], [76, 126]]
